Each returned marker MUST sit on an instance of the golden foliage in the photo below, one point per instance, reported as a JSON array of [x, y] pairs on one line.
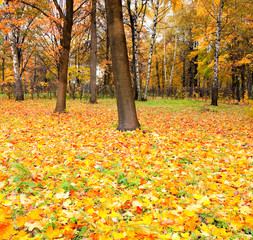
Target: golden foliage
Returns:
[[189, 175]]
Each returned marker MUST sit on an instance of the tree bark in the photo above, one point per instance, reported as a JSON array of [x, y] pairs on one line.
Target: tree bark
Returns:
[[215, 83], [233, 86], [164, 65], [238, 89], [158, 77], [107, 74], [127, 116], [173, 64], [19, 93], [3, 67], [243, 69], [137, 75], [151, 50], [134, 29], [16, 67], [93, 54], [64, 57], [250, 85]]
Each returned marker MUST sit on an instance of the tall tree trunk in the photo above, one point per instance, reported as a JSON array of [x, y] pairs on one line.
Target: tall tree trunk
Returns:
[[215, 83], [173, 64], [3, 69], [238, 88], [184, 73], [164, 64], [158, 77], [243, 81], [19, 93], [151, 50], [107, 74], [93, 54], [250, 84], [233, 84], [34, 77], [127, 116], [64, 57], [131, 18], [136, 62], [134, 29]]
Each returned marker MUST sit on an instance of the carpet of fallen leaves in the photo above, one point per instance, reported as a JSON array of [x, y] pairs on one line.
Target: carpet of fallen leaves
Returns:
[[187, 175]]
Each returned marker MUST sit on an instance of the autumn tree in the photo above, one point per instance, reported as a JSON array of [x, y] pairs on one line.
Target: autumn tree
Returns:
[[218, 12], [136, 12], [127, 116], [19, 31], [63, 21], [153, 34]]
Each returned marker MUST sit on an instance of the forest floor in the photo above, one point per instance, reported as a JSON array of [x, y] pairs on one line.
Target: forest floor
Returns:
[[187, 174]]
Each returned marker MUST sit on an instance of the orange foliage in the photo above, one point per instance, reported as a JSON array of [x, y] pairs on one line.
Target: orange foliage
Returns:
[[187, 175]]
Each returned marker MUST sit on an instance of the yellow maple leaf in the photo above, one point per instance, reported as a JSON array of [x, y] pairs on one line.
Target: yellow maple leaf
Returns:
[[189, 213], [204, 228], [147, 219], [118, 235], [35, 214], [185, 235], [204, 201]]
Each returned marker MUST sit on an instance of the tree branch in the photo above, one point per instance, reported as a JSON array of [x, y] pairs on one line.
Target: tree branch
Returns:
[[59, 9], [58, 25], [208, 10], [80, 6]]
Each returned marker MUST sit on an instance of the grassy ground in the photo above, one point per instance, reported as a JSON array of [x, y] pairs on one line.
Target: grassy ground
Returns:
[[188, 175]]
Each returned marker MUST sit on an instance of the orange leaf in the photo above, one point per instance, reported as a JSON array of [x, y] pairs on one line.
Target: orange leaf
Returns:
[[52, 233]]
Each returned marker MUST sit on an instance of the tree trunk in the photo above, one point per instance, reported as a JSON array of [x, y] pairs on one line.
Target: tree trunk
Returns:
[[135, 47], [250, 85], [215, 84], [184, 73], [158, 78], [64, 58], [16, 67], [233, 84], [164, 65], [151, 50], [93, 54], [127, 116], [173, 64], [243, 81], [134, 29], [238, 89], [34, 77], [3, 69]]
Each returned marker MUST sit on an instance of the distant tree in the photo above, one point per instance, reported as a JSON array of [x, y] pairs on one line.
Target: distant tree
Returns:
[[151, 49], [93, 54], [127, 116], [134, 15], [63, 21], [19, 35], [215, 86]]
